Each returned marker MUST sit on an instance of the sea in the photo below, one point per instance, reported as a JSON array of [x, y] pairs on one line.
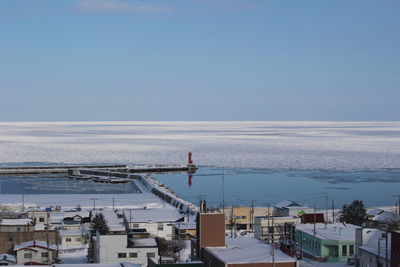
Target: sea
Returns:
[[240, 163]]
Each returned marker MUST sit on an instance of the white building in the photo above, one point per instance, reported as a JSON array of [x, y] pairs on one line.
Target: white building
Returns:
[[156, 222], [371, 247], [35, 252], [7, 259], [73, 237], [38, 216], [119, 248]]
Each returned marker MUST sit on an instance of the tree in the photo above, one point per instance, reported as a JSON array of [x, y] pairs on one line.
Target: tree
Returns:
[[99, 223], [355, 213]]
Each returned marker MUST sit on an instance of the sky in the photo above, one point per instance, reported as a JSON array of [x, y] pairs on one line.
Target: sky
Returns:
[[137, 60]]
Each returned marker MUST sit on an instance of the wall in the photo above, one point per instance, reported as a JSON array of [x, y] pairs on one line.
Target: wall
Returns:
[[152, 228], [36, 256], [108, 247], [19, 237]]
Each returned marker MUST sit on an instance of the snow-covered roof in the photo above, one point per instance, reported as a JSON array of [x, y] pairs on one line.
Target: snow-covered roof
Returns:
[[285, 204], [331, 231], [153, 215], [16, 222], [185, 225], [144, 242], [83, 214], [111, 217], [374, 212], [371, 238], [73, 232], [386, 217], [247, 250], [7, 257], [34, 243]]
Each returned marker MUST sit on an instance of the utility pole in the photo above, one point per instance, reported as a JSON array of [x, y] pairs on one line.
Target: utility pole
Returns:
[[113, 205], [268, 226], [273, 240], [252, 215], [47, 239], [326, 206], [315, 243], [333, 211], [94, 203], [23, 202], [223, 189], [398, 203]]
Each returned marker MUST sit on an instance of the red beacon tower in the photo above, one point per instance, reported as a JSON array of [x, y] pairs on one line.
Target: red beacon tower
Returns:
[[190, 161]]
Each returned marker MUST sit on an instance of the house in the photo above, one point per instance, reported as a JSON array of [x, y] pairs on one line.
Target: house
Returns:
[[73, 237], [290, 208], [312, 218], [372, 247], [114, 224], [38, 216], [156, 222], [268, 227], [14, 231], [243, 217], [74, 220], [184, 230], [246, 252], [334, 242], [121, 248], [382, 219], [7, 259], [35, 252]]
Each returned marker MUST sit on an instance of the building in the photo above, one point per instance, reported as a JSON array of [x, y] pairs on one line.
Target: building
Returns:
[[35, 252], [185, 230], [210, 233], [38, 216], [382, 219], [395, 249], [372, 247], [14, 231], [333, 242], [243, 217], [246, 252], [7, 259], [115, 225], [155, 222], [267, 228], [73, 237], [290, 208], [120, 248]]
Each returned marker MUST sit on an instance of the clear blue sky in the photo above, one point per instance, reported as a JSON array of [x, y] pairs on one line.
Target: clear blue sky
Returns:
[[78, 60]]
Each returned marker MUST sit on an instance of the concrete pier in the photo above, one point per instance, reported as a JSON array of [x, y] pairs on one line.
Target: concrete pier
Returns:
[[27, 170]]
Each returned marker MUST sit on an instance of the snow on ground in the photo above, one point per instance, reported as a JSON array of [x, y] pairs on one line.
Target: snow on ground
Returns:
[[273, 145], [310, 263]]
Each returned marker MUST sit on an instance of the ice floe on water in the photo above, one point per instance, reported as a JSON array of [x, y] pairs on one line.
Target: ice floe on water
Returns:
[[264, 145]]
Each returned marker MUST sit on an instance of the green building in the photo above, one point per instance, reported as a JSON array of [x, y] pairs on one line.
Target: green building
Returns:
[[332, 242]]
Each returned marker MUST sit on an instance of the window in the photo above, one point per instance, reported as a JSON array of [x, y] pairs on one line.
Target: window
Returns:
[[344, 250], [151, 254], [18, 229], [121, 255], [68, 239], [11, 239], [34, 220], [160, 227], [77, 239], [241, 217], [133, 255], [41, 219], [135, 225], [351, 250], [45, 254], [27, 255]]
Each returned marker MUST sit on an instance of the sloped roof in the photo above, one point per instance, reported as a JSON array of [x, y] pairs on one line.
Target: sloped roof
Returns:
[[285, 204], [16, 222], [7, 257], [33, 244], [371, 238]]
